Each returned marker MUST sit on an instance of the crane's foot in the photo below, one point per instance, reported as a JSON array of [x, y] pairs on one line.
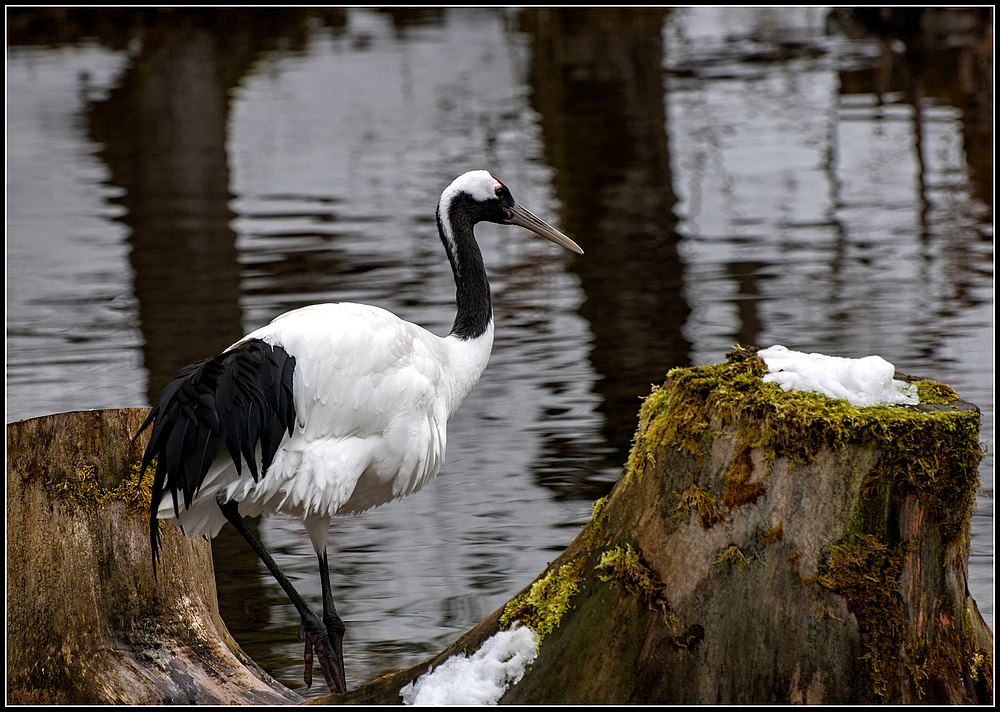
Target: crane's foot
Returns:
[[327, 648]]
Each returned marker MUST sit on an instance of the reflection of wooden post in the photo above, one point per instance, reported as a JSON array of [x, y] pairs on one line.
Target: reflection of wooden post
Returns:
[[597, 84], [764, 548], [87, 622]]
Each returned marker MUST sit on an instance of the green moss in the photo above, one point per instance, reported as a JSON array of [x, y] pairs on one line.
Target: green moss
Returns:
[[932, 452], [81, 493], [936, 393], [598, 507], [84, 493], [595, 527], [734, 555], [981, 667], [695, 499], [623, 567], [979, 661], [917, 661], [866, 573], [542, 606], [136, 490]]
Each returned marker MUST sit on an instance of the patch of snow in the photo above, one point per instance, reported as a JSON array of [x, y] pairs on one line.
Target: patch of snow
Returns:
[[479, 679], [861, 382]]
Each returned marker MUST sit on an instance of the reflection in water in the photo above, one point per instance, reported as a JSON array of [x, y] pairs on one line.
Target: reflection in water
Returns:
[[941, 54], [73, 336], [597, 83], [177, 186], [163, 135], [163, 131]]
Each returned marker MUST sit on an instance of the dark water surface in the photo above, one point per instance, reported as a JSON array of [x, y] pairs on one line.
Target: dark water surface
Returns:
[[756, 176]]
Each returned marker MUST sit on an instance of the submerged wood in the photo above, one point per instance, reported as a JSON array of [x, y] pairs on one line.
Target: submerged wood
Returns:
[[87, 622], [762, 550]]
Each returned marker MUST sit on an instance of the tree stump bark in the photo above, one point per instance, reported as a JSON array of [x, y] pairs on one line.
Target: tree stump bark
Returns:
[[87, 622], [763, 547]]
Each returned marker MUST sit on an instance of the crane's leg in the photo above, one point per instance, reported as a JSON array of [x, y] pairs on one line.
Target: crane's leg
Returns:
[[314, 632], [334, 626]]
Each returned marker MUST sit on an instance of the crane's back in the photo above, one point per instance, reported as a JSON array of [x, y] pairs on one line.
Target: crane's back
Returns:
[[372, 394]]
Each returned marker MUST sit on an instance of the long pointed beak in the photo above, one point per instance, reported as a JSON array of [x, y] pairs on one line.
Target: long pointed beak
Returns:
[[524, 218]]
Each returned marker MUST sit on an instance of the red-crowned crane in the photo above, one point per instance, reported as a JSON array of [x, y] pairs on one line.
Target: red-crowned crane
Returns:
[[330, 409]]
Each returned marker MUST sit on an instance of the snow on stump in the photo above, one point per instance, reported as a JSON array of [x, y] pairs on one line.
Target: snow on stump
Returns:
[[87, 622]]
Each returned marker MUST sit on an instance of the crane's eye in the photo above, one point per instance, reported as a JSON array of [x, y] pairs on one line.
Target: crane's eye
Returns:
[[503, 195]]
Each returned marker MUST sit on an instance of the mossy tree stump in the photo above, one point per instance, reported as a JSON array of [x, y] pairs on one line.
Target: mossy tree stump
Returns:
[[87, 622], [764, 547]]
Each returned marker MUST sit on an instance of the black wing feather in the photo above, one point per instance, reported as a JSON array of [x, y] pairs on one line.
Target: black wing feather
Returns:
[[235, 400]]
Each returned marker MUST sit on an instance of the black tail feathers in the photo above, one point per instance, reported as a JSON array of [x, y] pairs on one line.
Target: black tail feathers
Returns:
[[242, 397]]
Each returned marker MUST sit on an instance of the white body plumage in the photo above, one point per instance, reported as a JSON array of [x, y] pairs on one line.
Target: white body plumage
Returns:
[[373, 396]]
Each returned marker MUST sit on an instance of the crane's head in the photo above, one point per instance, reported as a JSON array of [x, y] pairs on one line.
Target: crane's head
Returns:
[[478, 196]]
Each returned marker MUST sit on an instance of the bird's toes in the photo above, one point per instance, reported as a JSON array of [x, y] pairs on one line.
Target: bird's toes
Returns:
[[335, 629], [307, 675], [316, 638]]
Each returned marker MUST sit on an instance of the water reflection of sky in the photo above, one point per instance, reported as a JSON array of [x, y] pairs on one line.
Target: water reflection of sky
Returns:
[[72, 328], [811, 217]]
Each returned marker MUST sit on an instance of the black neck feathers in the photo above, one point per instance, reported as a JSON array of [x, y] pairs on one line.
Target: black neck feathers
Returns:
[[472, 289]]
